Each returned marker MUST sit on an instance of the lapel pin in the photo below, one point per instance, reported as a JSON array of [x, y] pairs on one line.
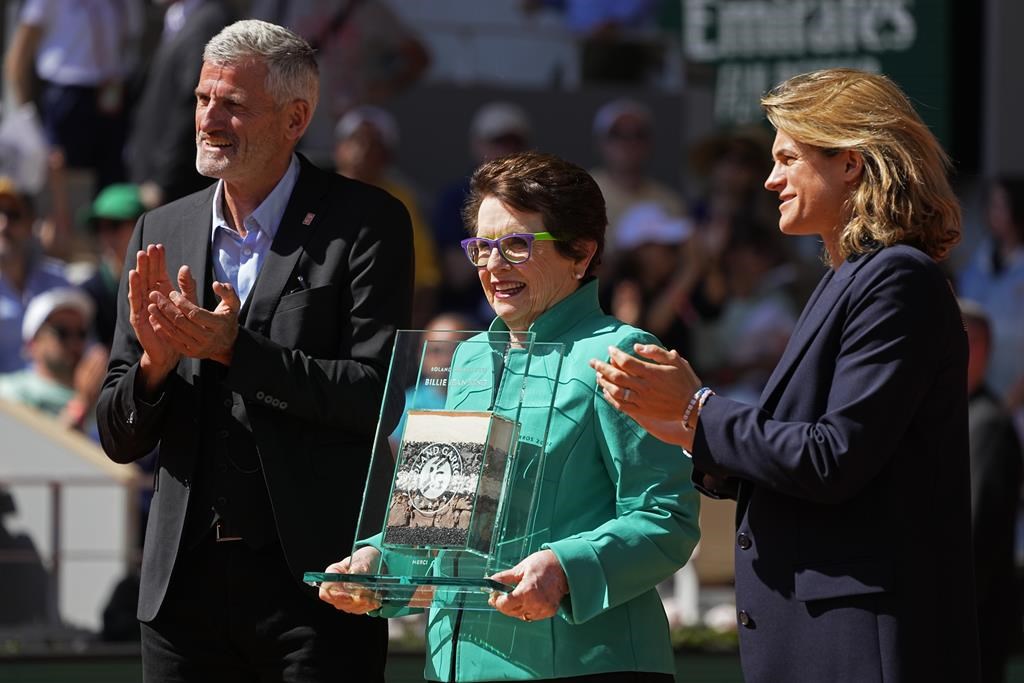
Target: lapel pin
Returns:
[[309, 218]]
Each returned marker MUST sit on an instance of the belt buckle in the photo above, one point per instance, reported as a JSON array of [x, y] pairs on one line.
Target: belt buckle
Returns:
[[221, 534]]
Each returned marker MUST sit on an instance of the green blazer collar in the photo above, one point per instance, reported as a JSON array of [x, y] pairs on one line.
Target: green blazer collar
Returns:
[[563, 316]]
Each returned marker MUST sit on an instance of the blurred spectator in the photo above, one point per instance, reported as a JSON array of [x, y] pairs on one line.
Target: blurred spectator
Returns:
[[366, 56], [80, 51], [616, 37], [441, 338], [24, 150], [120, 625], [739, 349], [63, 380], [995, 279], [24, 271], [24, 581], [733, 165], [656, 274], [112, 218], [366, 143], [497, 129], [995, 496], [624, 131], [161, 148]]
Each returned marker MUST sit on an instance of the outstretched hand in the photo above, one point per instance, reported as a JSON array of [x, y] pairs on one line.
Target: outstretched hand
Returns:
[[654, 392], [191, 330], [540, 585], [349, 597]]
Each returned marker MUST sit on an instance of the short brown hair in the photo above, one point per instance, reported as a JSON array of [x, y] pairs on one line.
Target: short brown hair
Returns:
[[567, 198], [904, 195]]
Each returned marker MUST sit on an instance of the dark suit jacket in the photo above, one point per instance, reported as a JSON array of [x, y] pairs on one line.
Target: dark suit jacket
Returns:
[[995, 498], [853, 548], [161, 147], [309, 363]]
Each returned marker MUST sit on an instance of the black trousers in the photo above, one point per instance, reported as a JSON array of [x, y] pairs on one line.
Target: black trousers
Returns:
[[235, 614], [89, 137]]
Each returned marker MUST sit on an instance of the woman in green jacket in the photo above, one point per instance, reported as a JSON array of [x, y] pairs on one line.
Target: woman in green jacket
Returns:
[[617, 512]]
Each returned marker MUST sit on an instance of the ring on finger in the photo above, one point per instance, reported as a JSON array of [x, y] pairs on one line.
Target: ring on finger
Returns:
[[626, 393], [526, 617]]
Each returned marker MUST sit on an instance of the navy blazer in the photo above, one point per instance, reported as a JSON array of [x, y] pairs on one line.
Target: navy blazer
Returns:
[[308, 369], [853, 548]]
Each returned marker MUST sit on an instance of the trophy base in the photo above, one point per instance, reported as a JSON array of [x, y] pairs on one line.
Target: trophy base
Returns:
[[439, 592]]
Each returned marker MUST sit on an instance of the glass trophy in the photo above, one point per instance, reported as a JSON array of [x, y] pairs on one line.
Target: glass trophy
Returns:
[[456, 467]]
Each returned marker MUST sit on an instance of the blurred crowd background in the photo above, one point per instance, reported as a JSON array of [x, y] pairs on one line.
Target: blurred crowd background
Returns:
[[657, 97]]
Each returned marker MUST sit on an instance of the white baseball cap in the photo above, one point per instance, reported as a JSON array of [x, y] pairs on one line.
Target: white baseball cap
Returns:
[[500, 118], [42, 306], [650, 223], [609, 114], [380, 119]]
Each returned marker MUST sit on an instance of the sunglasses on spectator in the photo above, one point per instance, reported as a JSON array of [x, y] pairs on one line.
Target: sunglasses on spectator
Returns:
[[66, 334], [515, 247]]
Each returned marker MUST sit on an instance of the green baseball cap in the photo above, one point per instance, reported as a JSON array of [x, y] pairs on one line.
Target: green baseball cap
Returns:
[[119, 202]]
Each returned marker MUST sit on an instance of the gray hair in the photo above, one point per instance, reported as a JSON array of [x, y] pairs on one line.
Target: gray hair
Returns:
[[292, 71]]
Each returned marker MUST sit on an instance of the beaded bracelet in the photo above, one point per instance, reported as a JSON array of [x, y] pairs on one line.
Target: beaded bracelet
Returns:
[[702, 400], [697, 397]]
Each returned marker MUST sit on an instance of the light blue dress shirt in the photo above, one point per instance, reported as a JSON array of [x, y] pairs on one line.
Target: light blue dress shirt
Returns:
[[237, 260]]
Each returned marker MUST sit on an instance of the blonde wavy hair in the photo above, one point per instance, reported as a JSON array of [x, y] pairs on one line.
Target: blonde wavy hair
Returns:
[[904, 196]]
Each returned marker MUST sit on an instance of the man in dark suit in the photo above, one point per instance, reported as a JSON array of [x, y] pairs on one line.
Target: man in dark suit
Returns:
[[160, 151], [996, 470], [263, 403], [853, 544]]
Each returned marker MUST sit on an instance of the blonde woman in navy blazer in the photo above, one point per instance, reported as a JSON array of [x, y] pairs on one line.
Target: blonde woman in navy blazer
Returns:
[[853, 549]]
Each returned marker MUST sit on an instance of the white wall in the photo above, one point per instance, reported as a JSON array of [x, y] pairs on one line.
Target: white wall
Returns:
[[96, 514]]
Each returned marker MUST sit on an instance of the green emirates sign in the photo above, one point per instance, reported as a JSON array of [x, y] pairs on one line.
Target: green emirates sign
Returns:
[[756, 44]]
